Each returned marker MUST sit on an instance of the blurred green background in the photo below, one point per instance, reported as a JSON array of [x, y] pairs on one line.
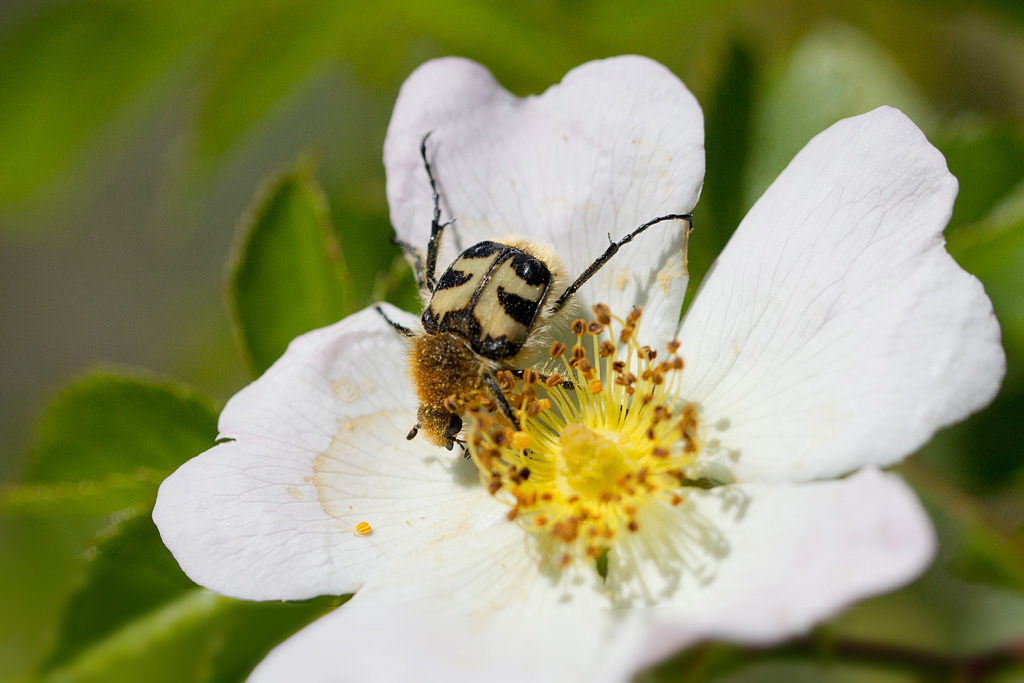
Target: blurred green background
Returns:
[[146, 143]]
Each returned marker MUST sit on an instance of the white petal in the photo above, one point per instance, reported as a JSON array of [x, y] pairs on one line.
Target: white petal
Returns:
[[387, 644], [499, 569], [480, 607], [617, 143], [319, 446], [794, 554], [834, 330], [797, 553]]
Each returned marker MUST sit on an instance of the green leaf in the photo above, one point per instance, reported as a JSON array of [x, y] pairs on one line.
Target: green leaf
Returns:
[[727, 141], [520, 43], [369, 251], [939, 614], [988, 161], [72, 71], [137, 617], [107, 441], [1012, 673], [262, 57], [702, 662], [288, 275], [970, 603], [806, 670], [129, 574], [993, 250], [40, 567], [831, 74]]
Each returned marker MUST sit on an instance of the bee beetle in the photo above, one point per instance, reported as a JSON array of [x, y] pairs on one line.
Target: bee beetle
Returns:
[[490, 310]]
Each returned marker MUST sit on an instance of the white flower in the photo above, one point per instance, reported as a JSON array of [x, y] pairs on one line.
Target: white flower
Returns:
[[834, 334]]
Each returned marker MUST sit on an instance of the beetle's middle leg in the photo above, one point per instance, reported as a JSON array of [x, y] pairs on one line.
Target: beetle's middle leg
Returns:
[[400, 328]]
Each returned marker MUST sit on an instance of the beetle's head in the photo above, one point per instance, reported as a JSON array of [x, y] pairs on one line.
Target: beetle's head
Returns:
[[439, 427]]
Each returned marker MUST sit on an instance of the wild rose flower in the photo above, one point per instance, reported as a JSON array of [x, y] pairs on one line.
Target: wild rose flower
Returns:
[[833, 335]]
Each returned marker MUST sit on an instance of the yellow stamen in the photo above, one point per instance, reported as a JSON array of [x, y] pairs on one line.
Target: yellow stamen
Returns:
[[593, 452]]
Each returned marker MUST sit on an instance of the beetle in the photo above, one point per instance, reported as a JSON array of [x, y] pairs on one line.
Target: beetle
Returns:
[[489, 311]]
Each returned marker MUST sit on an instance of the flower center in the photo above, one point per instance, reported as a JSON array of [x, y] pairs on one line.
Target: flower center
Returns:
[[598, 442], [591, 462]]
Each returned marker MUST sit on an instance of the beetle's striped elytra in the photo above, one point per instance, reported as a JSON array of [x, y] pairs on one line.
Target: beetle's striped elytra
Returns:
[[490, 295]]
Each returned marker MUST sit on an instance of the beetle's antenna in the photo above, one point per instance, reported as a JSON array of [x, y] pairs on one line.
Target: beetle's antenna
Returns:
[[609, 252]]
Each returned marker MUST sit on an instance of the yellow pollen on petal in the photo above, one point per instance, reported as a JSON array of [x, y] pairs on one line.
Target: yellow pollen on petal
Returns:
[[595, 448]]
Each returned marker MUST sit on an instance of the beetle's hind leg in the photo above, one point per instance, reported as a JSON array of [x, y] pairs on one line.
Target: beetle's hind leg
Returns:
[[611, 251], [402, 330]]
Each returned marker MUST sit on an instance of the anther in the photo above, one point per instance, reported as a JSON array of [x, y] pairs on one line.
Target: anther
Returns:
[[579, 327], [520, 440], [506, 380], [566, 530], [557, 349], [602, 313], [487, 457]]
